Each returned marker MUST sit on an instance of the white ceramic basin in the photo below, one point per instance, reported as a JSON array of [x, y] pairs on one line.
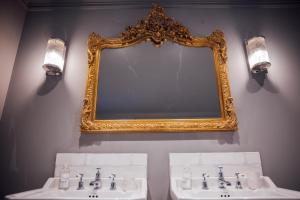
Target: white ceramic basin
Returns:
[[188, 171], [130, 171], [135, 190], [267, 190]]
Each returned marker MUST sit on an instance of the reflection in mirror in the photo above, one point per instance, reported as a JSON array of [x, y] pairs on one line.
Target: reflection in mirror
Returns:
[[145, 82]]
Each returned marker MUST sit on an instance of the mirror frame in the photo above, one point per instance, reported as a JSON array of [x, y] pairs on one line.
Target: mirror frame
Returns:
[[157, 28]]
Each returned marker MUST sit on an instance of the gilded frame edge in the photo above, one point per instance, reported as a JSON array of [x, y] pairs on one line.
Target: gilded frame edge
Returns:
[[215, 41]]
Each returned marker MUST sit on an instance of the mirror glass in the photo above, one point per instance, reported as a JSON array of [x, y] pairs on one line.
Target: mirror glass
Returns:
[[146, 82]]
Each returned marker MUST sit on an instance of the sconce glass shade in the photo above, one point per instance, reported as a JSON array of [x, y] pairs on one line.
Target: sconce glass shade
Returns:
[[258, 56], [55, 56]]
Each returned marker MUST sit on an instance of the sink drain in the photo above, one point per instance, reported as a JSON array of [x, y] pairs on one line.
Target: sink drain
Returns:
[[225, 195], [93, 196]]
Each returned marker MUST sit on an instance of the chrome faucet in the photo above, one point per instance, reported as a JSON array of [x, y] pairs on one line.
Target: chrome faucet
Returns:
[[204, 183], [222, 180], [238, 184], [113, 182], [97, 182], [80, 183]]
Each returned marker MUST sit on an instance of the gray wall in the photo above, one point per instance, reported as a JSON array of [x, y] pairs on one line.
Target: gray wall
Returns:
[[41, 115], [12, 16]]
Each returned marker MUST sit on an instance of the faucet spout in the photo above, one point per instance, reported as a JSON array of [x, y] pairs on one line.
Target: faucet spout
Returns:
[[225, 182], [97, 182], [222, 180]]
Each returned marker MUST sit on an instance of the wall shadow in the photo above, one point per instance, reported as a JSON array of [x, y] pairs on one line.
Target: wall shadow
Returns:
[[48, 85], [260, 81], [221, 137]]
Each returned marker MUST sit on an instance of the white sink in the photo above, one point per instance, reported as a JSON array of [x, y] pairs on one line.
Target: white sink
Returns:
[[130, 168], [51, 191], [244, 163], [266, 191]]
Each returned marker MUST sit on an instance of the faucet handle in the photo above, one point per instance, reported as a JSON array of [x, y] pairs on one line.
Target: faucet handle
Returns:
[[205, 175], [113, 176], [220, 168], [80, 176]]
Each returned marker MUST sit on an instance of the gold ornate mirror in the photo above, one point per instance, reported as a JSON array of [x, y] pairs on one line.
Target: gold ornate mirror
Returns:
[[174, 93]]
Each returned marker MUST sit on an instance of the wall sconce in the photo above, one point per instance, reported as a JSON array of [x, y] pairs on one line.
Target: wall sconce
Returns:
[[55, 57], [258, 56]]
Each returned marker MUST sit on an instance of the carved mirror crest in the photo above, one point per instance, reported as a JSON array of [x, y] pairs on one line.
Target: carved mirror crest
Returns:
[[159, 29]]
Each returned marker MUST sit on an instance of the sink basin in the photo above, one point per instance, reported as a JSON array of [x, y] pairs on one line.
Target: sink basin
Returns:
[[247, 165], [267, 191], [137, 191], [131, 181]]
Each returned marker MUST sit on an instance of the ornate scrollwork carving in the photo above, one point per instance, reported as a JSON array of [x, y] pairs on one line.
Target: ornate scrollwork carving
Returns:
[[157, 27], [94, 43], [217, 38]]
